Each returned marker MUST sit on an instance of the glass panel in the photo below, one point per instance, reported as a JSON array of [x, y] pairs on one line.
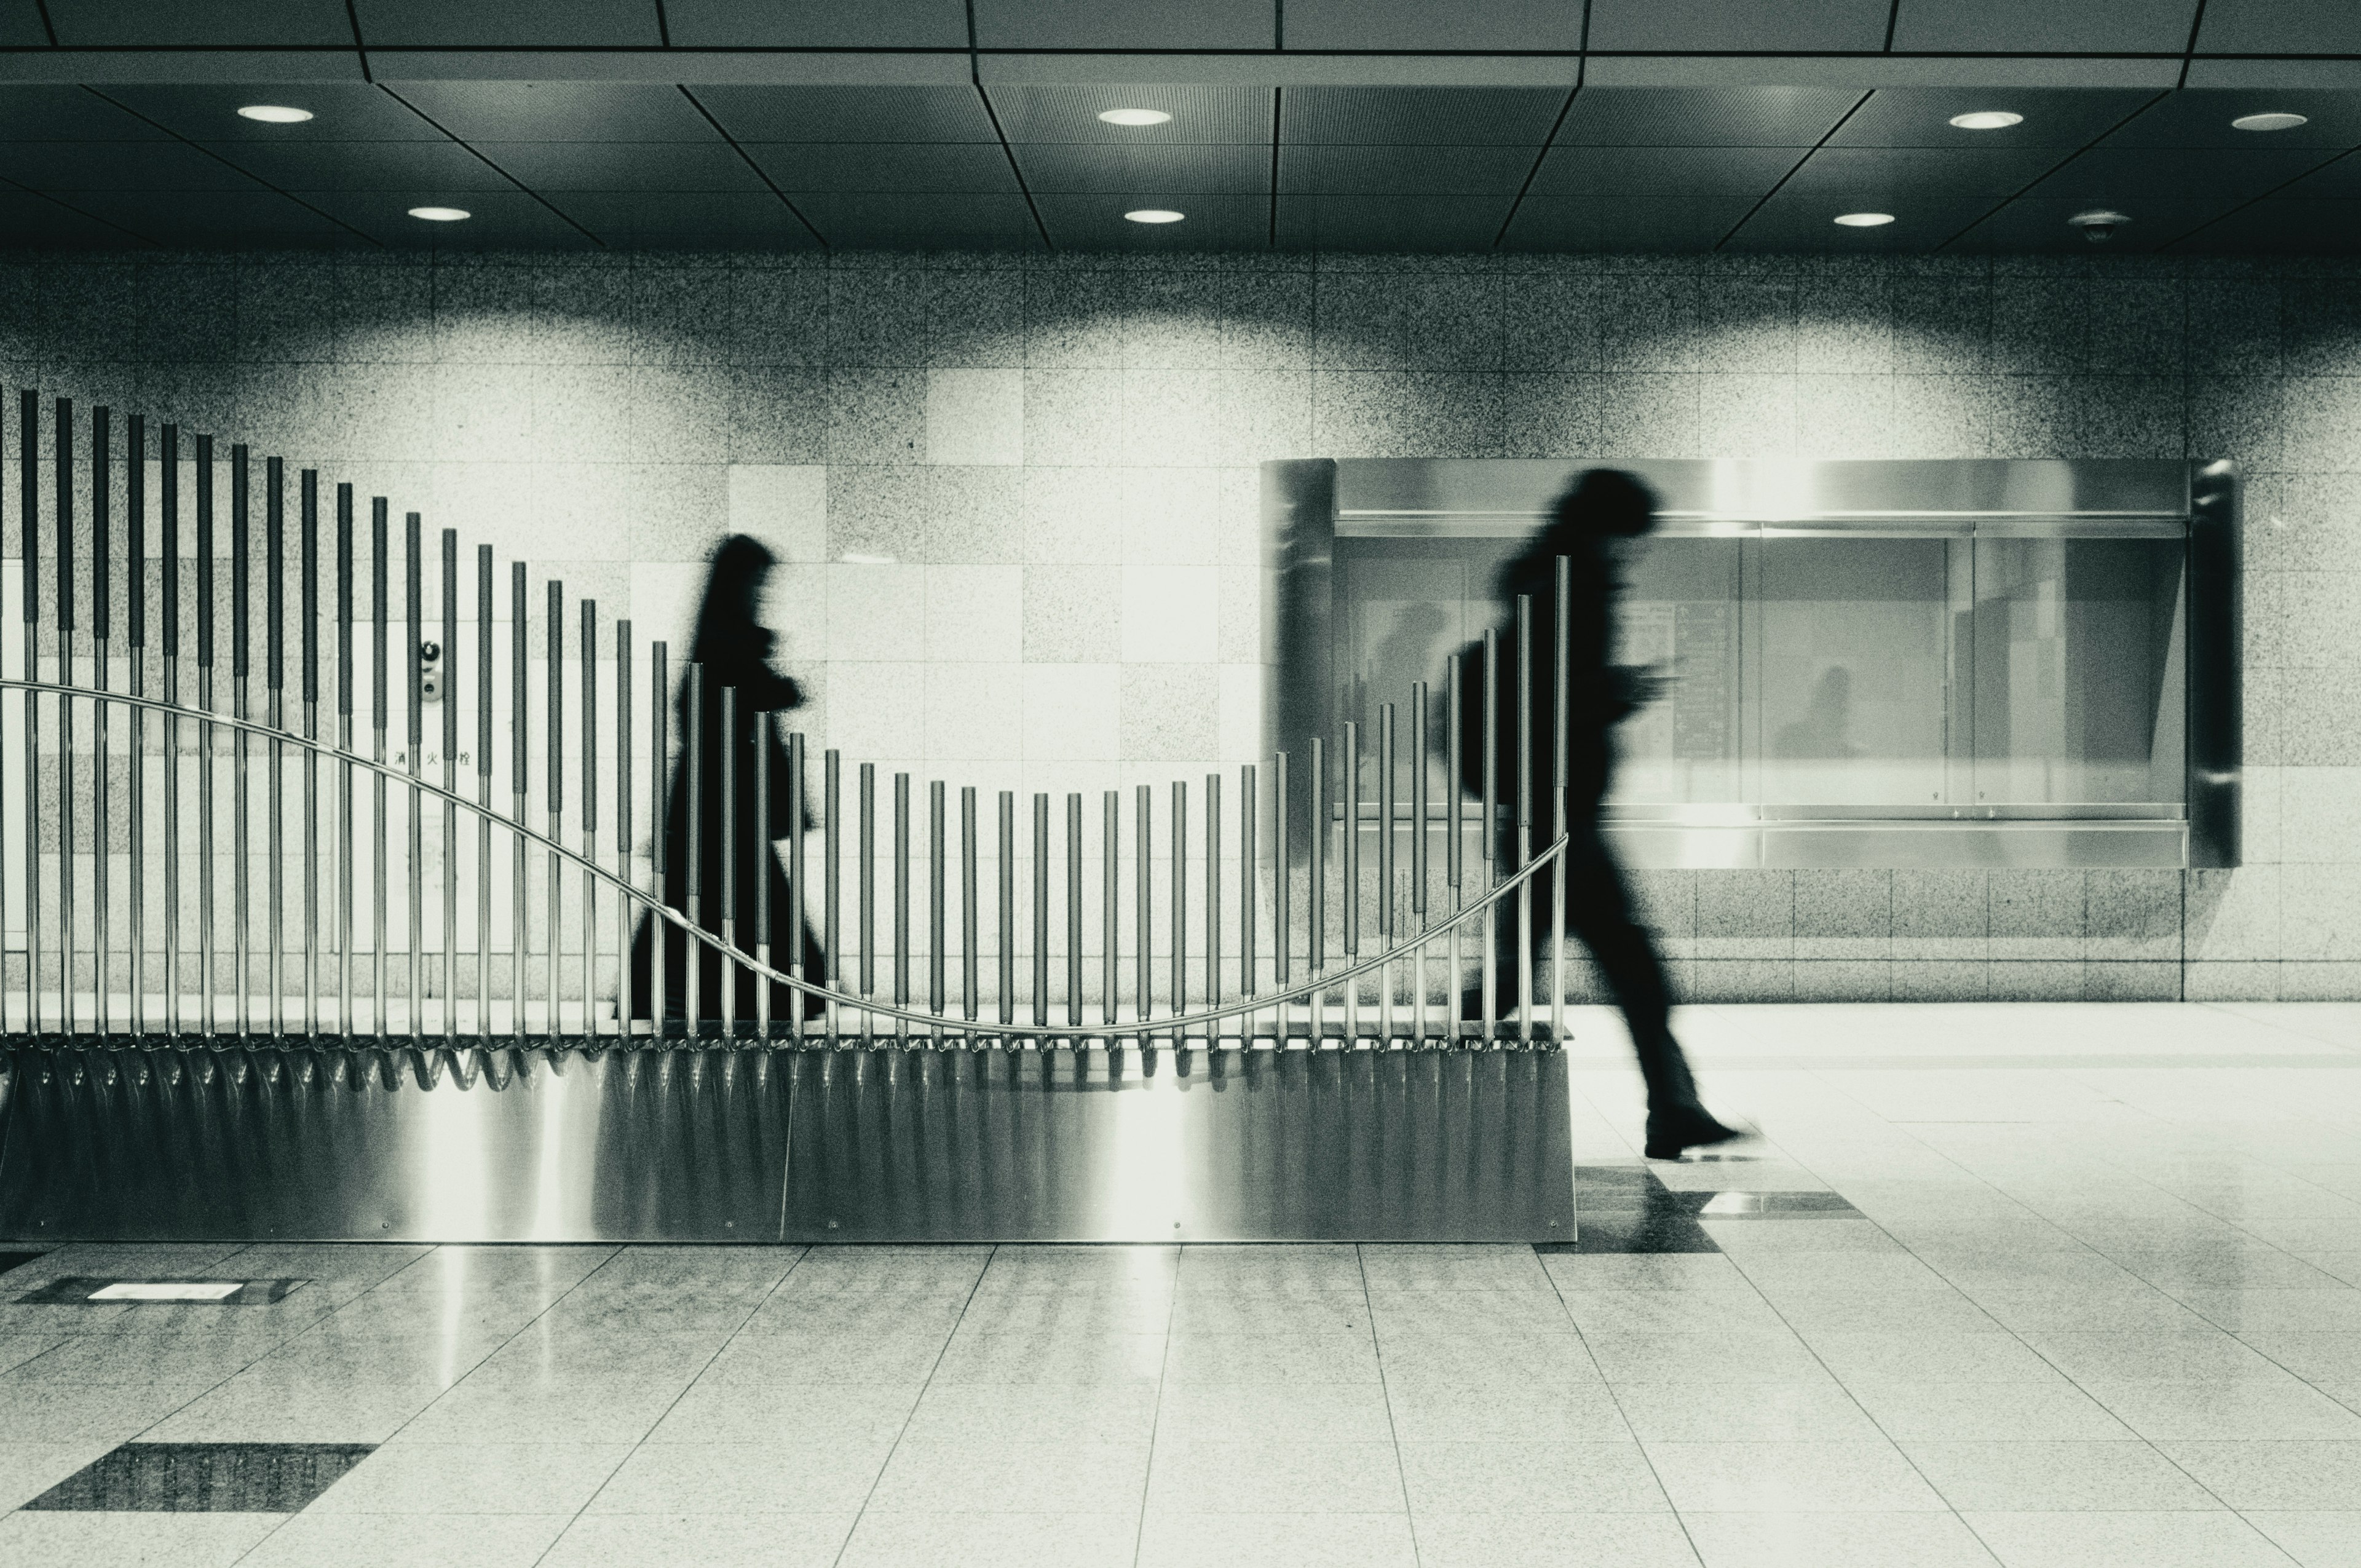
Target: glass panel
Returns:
[[1680, 613], [1856, 657], [2078, 667], [1408, 605]]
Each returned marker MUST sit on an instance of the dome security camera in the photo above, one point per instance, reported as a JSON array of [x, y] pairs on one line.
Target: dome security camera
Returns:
[[2099, 224]]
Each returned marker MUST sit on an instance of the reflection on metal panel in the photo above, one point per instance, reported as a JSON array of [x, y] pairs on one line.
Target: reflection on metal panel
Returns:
[[1223, 1145]]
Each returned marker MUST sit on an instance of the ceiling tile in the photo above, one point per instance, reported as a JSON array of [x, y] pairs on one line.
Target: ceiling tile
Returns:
[[35, 223], [1624, 223], [852, 221], [2339, 178], [2038, 224], [83, 24], [20, 27], [117, 166], [427, 168], [850, 113], [1351, 222], [252, 218], [1419, 116], [1422, 25], [1800, 221], [502, 220], [1212, 223], [513, 24], [2202, 117], [2126, 175], [1781, 26], [558, 111], [341, 112], [1405, 170], [688, 220], [2044, 27], [2054, 116], [1085, 168], [2281, 228], [548, 166], [1071, 114], [1662, 170], [952, 168], [68, 113], [1703, 116], [2280, 26], [1848, 179], [1126, 24], [815, 24]]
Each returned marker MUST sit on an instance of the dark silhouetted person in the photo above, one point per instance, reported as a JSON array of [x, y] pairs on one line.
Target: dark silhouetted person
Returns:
[[1594, 520], [731, 648]]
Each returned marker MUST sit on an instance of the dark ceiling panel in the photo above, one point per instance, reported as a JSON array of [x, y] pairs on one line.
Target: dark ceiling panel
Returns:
[[1351, 223], [1085, 169], [687, 220], [503, 220], [117, 166], [83, 23], [1780, 26], [421, 166], [558, 111], [2202, 117], [20, 27], [548, 166], [1623, 223], [68, 113], [2039, 225], [1662, 170], [2281, 228], [1214, 223], [35, 223], [2121, 175], [1703, 116], [1798, 221], [1405, 170], [1848, 179], [217, 219], [1071, 114], [2054, 116], [849, 113], [1423, 25], [817, 24], [2044, 27], [1419, 116], [347, 111], [863, 222], [884, 168], [513, 24], [2338, 179], [2280, 26], [1126, 24]]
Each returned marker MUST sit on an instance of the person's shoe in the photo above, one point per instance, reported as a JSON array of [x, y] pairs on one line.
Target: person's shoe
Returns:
[[1692, 1127]]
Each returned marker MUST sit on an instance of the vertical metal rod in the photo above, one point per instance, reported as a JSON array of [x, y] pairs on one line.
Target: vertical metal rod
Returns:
[[555, 806], [625, 906], [135, 591], [1144, 912], [1074, 910], [1179, 904], [693, 758], [274, 648], [659, 829], [1564, 586], [308, 500], [520, 778], [28, 805], [1454, 839], [484, 656], [1214, 893], [799, 815], [1315, 891], [168, 496], [62, 469], [379, 1016], [763, 864], [967, 921], [451, 782], [865, 889], [590, 819], [1386, 831], [901, 893], [1351, 867], [1040, 908], [102, 820], [1007, 929], [833, 878], [413, 592], [1110, 904], [938, 872], [29, 520], [208, 915], [1524, 816], [241, 572], [1249, 885], [345, 843], [1491, 698], [1282, 865], [726, 972], [1419, 829]]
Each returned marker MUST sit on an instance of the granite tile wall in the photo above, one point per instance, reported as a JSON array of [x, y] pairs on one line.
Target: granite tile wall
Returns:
[[1017, 498]]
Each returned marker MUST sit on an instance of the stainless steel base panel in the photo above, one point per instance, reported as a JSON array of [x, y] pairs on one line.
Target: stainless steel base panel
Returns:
[[217, 1141]]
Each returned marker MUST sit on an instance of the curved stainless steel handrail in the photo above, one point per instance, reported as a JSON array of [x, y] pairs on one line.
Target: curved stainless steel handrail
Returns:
[[936, 1024]]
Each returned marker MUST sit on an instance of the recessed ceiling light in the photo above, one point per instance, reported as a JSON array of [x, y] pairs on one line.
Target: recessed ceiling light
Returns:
[[1865, 220], [275, 113], [441, 215], [1134, 116], [1154, 215], [2269, 121], [1987, 120]]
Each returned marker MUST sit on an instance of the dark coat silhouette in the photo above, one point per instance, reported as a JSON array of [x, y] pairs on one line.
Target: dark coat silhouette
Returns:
[[731, 649]]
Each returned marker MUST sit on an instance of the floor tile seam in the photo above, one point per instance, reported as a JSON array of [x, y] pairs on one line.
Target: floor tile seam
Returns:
[[1154, 1425], [903, 1431], [1393, 1427]]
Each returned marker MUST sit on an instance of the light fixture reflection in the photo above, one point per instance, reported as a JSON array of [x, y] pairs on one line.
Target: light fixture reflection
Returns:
[[1155, 215], [441, 215], [1987, 120], [1864, 220], [1134, 116], [274, 113], [2269, 121]]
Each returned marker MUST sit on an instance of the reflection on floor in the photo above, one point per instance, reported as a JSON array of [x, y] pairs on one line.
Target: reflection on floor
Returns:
[[2040, 1287]]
